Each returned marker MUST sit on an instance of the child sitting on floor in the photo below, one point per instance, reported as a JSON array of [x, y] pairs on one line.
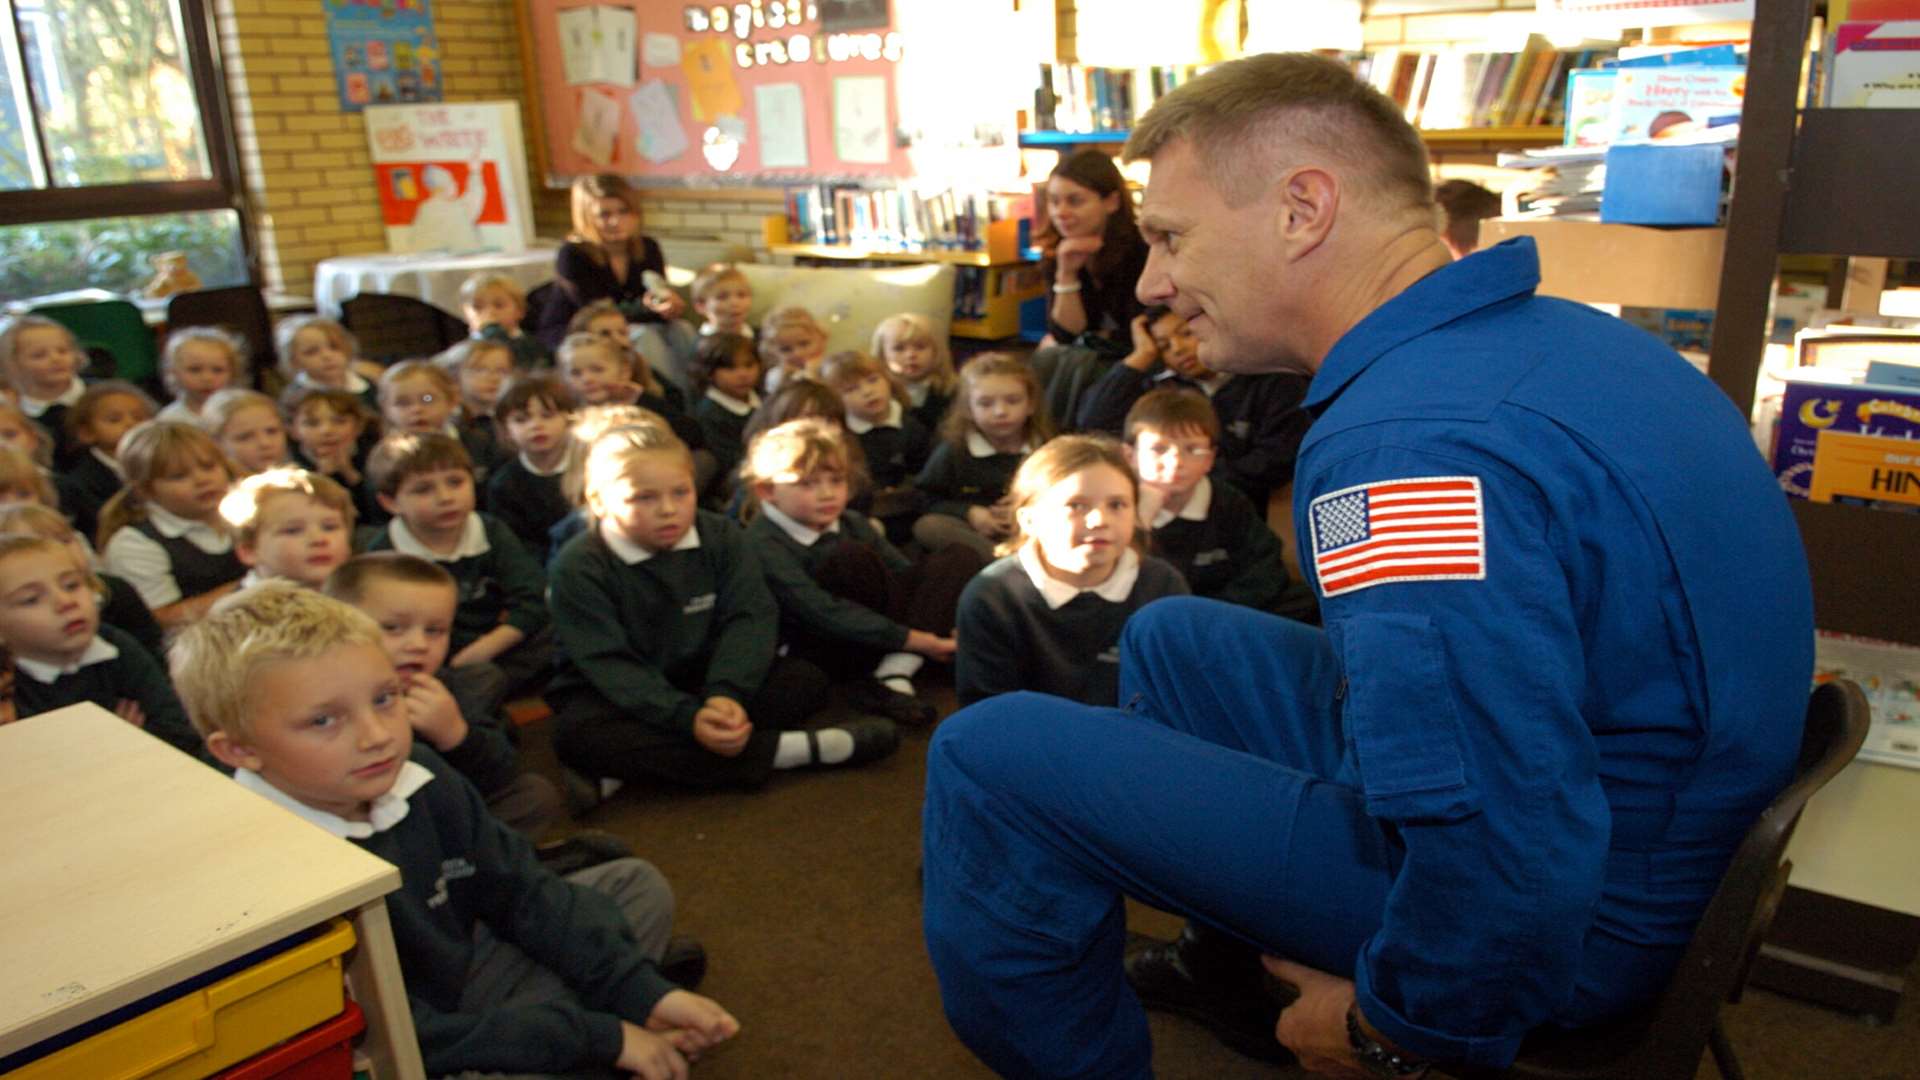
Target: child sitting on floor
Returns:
[[329, 428], [526, 491], [726, 368], [922, 363], [163, 531], [108, 410], [1047, 616], [603, 319], [413, 601], [248, 427], [1261, 419], [849, 601], [996, 422], [317, 351], [62, 655], [420, 397], [605, 372], [1210, 533], [893, 441], [199, 362], [294, 691], [723, 295], [495, 306], [120, 605], [482, 368], [792, 343], [669, 633], [426, 483], [290, 524], [41, 362]]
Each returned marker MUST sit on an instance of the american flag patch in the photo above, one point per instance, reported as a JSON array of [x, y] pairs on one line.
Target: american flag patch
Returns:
[[1432, 528]]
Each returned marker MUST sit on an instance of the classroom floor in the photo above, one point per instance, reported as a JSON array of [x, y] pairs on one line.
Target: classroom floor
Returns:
[[806, 897]]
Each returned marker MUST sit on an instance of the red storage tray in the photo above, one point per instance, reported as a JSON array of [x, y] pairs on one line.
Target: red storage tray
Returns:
[[320, 1053]]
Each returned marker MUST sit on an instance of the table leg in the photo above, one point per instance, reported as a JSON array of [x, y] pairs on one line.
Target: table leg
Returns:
[[374, 977]]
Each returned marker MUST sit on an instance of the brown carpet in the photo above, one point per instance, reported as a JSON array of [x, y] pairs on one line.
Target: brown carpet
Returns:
[[806, 897]]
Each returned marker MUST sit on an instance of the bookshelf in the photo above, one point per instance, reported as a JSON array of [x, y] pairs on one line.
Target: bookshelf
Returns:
[[1834, 182], [988, 292]]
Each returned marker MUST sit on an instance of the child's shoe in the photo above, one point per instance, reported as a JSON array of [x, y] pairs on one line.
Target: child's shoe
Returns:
[[873, 696], [873, 739]]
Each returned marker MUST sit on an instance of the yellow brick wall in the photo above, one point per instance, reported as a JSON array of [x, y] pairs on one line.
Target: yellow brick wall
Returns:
[[305, 166]]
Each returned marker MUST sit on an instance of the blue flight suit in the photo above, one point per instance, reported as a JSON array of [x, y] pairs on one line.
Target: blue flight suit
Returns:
[[1496, 792]]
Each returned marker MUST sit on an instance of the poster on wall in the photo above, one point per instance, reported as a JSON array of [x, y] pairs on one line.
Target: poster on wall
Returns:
[[383, 53], [451, 177], [761, 91]]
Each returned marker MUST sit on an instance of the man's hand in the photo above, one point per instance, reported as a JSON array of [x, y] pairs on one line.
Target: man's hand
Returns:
[[433, 714], [646, 1054], [691, 1022], [721, 726], [1072, 255], [1315, 1027]]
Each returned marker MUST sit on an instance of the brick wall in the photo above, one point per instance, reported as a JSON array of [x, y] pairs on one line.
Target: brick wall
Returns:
[[304, 162]]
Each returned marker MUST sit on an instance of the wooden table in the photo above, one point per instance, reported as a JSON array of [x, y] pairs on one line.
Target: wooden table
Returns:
[[128, 867]]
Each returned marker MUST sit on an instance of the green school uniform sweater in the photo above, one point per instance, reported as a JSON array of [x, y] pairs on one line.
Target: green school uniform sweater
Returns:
[[502, 583], [660, 636], [1231, 555], [790, 567]]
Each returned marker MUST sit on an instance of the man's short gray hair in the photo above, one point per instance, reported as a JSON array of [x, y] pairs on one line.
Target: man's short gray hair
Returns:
[[1251, 119]]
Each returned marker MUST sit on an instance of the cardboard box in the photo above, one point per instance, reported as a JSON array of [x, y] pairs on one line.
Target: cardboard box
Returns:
[[1866, 470], [1811, 405], [1620, 264]]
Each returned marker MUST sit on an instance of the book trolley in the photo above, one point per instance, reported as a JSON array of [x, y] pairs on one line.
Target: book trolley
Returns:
[[162, 921]]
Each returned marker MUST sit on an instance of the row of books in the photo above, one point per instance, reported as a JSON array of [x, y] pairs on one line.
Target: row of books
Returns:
[[896, 218], [1463, 88], [1078, 98]]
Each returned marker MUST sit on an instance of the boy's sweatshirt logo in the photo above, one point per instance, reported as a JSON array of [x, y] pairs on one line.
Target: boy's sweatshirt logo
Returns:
[[703, 602], [450, 870]]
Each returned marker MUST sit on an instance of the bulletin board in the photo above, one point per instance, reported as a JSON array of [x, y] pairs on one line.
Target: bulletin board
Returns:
[[764, 92]]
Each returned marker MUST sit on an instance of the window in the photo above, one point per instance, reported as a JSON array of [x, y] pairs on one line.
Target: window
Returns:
[[113, 146]]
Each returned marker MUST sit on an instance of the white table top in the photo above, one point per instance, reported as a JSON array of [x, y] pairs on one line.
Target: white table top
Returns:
[[128, 867], [431, 276]]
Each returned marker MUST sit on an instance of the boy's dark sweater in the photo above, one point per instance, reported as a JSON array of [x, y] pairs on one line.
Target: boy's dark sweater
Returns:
[[460, 866], [895, 455], [806, 607], [134, 674], [1231, 555], [1261, 421], [502, 581], [1011, 640], [528, 503], [955, 481], [685, 428], [84, 489], [366, 502], [932, 410], [659, 637], [725, 434]]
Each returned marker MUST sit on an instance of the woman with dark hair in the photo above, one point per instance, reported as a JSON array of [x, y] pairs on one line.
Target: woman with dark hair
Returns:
[[1093, 252]]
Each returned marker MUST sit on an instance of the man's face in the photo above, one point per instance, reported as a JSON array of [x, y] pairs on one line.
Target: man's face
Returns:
[[1216, 266]]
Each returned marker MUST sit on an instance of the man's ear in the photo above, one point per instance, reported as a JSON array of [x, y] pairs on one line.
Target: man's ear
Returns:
[[1308, 200], [229, 751]]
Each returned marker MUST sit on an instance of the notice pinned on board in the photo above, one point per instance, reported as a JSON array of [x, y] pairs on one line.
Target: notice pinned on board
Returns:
[[657, 115], [709, 68], [860, 119], [596, 45], [660, 50], [781, 111], [597, 126]]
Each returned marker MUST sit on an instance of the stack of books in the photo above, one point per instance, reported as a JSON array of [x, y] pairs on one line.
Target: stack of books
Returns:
[[897, 218], [1077, 98], [1566, 182], [1465, 88]]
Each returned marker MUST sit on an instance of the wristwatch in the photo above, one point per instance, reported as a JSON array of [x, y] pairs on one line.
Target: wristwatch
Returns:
[[1377, 1059]]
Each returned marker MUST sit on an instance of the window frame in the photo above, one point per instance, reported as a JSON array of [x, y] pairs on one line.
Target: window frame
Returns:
[[220, 190]]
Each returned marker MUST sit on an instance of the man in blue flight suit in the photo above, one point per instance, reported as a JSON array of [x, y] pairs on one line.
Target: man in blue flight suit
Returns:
[[1568, 642]]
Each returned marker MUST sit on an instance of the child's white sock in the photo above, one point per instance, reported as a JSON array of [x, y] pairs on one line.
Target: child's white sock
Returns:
[[795, 749], [897, 669]]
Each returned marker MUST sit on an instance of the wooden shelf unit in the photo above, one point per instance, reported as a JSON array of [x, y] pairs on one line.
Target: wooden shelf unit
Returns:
[[1002, 267]]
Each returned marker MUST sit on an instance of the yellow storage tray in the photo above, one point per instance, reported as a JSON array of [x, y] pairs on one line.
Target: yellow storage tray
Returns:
[[217, 1025]]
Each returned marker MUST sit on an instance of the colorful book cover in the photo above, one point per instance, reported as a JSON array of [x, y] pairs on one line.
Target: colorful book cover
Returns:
[[1664, 103], [452, 177], [1876, 65], [1589, 107]]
